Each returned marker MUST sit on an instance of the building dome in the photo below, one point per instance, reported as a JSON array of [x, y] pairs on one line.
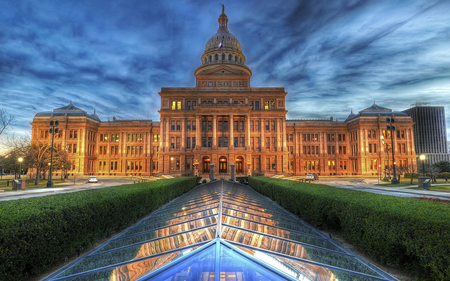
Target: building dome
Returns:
[[223, 46]]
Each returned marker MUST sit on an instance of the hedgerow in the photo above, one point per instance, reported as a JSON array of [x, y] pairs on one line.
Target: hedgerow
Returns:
[[400, 232], [38, 232]]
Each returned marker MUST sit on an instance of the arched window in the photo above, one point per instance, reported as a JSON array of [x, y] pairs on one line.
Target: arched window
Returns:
[[210, 58], [229, 57], [216, 57], [235, 59], [223, 57]]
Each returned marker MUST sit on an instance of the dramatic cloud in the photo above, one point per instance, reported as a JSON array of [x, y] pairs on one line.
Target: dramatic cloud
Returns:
[[114, 56]]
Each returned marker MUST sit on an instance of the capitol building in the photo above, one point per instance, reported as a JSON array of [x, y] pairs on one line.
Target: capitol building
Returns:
[[223, 120]]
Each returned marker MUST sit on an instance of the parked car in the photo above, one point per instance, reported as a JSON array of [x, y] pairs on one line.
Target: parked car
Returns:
[[92, 179], [312, 177]]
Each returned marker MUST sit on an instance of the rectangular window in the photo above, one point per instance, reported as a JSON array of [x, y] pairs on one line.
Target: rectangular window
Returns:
[[204, 142], [75, 135], [266, 105], [225, 125], [178, 125], [251, 126], [194, 127], [188, 142], [220, 126], [273, 126], [203, 125], [209, 125], [155, 137], [225, 141], [172, 125], [172, 142], [267, 126], [370, 148], [178, 105], [241, 142], [188, 125], [209, 141], [235, 124], [188, 105], [236, 142], [241, 126], [220, 141], [257, 126], [256, 105], [193, 142]]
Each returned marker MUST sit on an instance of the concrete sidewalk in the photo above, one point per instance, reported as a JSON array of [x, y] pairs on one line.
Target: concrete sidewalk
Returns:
[[370, 185]]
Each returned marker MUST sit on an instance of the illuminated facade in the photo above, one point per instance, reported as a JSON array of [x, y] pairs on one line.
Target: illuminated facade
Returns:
[[224, 121]]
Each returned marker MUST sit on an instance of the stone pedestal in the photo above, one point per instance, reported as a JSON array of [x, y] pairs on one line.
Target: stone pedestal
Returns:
[[233, 172], [23, 182], [211, 172], [422, 179]]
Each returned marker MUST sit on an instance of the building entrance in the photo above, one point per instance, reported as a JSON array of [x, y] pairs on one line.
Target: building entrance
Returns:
[[206, 163], [239, 162], [222, 164]]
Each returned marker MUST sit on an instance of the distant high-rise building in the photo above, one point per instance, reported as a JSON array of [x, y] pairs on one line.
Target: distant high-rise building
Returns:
[[430, 134]]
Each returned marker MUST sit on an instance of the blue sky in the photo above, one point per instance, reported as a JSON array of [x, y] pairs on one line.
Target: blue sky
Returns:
[[114, 56]]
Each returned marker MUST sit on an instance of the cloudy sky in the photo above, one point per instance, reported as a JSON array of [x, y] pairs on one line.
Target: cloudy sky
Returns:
[[114, 56]]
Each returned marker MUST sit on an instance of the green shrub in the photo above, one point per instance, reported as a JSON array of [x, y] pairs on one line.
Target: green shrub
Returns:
[[243, 180], [400, 232], [38, 232]]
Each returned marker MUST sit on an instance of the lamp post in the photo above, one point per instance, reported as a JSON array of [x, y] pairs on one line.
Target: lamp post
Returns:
[[391, 128], [422, 157], [20, 166], [62, 169], [52, 130]]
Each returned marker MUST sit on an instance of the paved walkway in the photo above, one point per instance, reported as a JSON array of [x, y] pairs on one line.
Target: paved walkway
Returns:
[[370, 185], [62, 188]]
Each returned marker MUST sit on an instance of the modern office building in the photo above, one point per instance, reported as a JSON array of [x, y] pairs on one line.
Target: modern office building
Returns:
[[430, 132], [222, 120]]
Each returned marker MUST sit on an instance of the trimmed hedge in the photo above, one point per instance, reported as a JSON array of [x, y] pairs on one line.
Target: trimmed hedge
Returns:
[[38, 232], [400, 232]]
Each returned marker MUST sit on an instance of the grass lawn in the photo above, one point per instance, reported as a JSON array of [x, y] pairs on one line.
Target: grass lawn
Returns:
[[443, 188], [30, 184]]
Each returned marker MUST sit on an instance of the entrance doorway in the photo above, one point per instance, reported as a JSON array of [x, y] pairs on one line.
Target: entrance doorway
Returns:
[[239, 161], [222, 164], [206, 163]]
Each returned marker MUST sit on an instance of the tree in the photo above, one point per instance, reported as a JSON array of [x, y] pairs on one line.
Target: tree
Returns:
[[6, 120], [443, 166], [39, 157], [412, 169], [18, 147]]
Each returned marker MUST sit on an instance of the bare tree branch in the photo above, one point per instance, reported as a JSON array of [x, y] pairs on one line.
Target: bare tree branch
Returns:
[[5, 120]]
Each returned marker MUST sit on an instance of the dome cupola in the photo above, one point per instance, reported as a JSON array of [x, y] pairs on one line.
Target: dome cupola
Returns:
[[223, 46]]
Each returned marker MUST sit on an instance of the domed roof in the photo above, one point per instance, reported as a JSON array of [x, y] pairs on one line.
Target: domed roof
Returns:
[[224, 36]]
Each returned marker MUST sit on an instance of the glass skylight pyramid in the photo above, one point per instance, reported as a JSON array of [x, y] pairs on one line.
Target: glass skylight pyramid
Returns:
[[220, 231]]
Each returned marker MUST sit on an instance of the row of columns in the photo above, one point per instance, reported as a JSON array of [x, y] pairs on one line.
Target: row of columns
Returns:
[[280, 127]]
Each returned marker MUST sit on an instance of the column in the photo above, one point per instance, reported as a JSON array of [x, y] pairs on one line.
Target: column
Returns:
[[161, 134], [263, 141], [214, 144], [247, 130], [183, 134], [167, 133], [284, 134], [231, 141], [197, 132], [277, 124]]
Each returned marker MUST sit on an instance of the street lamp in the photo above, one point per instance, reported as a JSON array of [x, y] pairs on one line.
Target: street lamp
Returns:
[[62, 169], [53, 131], [20, 165], [392, 130], [384, 164], [422, 157]]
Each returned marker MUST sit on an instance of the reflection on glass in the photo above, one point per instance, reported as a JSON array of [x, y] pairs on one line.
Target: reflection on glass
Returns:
[[144, 250], [162, 232], [283, 233], [200, 266], [234, 266], [175, 220], [295, 250]]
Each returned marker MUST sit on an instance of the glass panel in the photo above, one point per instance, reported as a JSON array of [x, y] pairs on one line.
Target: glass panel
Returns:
[[135, 270], [302, 270], [200, 266], [150, 224], [234, 266], [159, 233], [283, 233], [144, 250], [295, 250]]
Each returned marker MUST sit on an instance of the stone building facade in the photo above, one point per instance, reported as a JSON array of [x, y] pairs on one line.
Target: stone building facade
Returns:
[[224, 121]]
